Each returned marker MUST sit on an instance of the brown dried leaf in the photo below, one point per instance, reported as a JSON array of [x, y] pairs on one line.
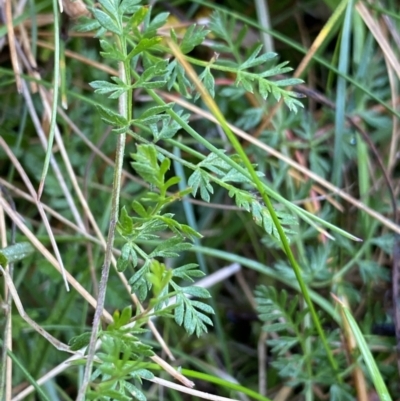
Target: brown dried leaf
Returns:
[[75, 8]]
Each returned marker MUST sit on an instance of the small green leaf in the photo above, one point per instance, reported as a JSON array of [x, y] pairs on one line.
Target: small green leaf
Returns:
[[111, 51], [177, 74], [198, 292], [292, 104], [139, 209], [185, 313], [200, 179], [179, 313], [158, 21], [152, 120], [214, 163], [170, 248], [384, 242], [171, 182], [189, 232], [144, 44], [156, 110], [15, 253], [126, 316], [253, 60], [151, 85], [87, 25], [104, 87], [279, 69], [122, 264], [112, 118], [203, 307], [144, 374], [129, 6], [169, 127], [164, 167], [142, 290], [109, 6], [193, 37], [208, 80], [136, 393], [106, 21], [79, 342], [188, 271], [146, 165], [134, 257], [139, 16], [159, 277], [241, 79], [113, 395], [125, 223], [288, 82], [126, 251], [264, 88], [277, 93]]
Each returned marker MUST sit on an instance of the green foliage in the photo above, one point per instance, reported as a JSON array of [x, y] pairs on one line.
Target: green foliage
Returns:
[[175, 155], [121, 352], [284, 317], [223, 28], [120, 361], [192, 37], [15, 253]]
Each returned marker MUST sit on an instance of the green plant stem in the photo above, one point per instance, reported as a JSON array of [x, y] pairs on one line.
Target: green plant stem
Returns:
[[209, 101], [304, 214], [125, 109], [225, 384], [268, 203], [297, 272]]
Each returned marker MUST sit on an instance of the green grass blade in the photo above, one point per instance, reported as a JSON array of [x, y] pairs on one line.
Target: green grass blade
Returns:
[[29, 378], [341, 97], [373, 370], [213, 107]]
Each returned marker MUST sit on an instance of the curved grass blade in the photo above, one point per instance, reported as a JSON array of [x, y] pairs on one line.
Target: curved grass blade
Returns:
[[373, 370]]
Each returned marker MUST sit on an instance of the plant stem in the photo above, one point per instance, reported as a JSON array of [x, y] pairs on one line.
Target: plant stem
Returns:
[[125, 109], [210, 103]]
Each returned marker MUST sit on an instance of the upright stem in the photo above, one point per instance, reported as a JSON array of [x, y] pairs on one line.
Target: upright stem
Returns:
[[125, 108]]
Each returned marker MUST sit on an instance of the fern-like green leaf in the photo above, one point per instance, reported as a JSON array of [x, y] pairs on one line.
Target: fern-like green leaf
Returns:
[[200, 180], [187, 313]]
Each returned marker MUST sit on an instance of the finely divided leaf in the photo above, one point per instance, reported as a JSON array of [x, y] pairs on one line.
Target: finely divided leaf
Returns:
[[188, 271], [170, 248], [253, 60], [193, 37], [105, 87], [200, 179]]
